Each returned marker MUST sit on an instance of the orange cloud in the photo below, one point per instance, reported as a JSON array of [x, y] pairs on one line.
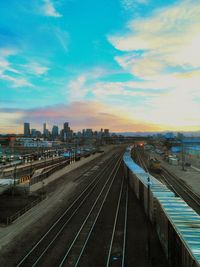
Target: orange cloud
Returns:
[[81, 115]]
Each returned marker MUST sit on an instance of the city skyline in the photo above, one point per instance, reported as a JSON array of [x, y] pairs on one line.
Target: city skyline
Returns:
[[124, 65], [58, 130]]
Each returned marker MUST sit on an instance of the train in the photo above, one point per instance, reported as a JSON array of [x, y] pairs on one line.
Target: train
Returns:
[[155, 165], [176, 223]]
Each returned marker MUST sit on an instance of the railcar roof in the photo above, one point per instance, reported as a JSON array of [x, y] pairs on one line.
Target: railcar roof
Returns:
[[183, 218], [131, 164], [185, 221]]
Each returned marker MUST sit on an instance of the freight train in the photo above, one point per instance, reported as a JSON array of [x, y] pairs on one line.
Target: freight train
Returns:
[[155, 165], [176, 223]]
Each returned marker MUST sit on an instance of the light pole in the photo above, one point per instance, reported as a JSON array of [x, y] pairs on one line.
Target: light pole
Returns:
[[183, 156], [148, 216], [31, 167], [14, 178]]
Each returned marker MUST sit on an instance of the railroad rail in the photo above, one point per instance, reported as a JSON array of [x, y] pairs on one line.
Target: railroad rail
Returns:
[[116, 255], [182, 189], [75, 251], [175, 184], [96, 191]]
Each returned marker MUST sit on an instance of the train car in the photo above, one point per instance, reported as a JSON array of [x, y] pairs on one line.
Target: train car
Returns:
[[78, 155], [177, 225], [181, 226], [155, 165]]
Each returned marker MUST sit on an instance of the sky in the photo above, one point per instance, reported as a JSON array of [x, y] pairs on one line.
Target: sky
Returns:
[[126, 65]]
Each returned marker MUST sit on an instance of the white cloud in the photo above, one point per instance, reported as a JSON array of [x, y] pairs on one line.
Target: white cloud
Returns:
[[163, 49], [16, 81], [76, 88], [83, 83], [129, 4], [5, 65], [7, 71], [35, 68], [48, 9], [170, 37], [63, 38]]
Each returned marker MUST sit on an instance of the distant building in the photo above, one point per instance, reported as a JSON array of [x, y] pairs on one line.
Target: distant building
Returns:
[[45, 130], [54, 132], [27, 129], [180, 135], [66, 127], [169, 135], [7, 139], [79, 134], [33, 133], [66, 133], [31, 142], [88, 133], [106, 133]]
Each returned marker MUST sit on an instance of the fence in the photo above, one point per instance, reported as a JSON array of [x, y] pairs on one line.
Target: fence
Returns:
[[46, 174], [13, 217]]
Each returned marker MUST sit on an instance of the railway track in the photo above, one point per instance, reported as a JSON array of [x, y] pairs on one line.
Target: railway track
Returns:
[[77, 246], [175, 184], [116, 255], [182, 189], [109, 233], [68, 236]]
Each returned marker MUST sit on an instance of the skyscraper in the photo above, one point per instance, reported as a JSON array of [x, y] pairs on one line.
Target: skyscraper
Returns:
[[54, 131], [45, 130], [27, 129], [66, 131], [66, 127]]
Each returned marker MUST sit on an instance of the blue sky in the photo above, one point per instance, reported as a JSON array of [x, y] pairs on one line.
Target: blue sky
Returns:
[[130, 65]]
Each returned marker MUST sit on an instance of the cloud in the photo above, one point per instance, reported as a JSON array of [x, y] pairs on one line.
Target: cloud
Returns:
[[168, 38], [5, 65], [162, 50], [9, 120], [16, 82], [79, 87], [79, 114], [130, 4], [9, 73], [16, 74], [48, 9], [63, 38], [91, 85], [35, 68]]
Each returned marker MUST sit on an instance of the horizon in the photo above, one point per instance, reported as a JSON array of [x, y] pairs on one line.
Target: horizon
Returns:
[[126, 65]]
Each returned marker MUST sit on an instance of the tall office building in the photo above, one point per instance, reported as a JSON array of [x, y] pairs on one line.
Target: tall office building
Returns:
[[54, 132], [66, 131], [33, 133], [106, 133], [66, 127], [45, 130], [27, 129]]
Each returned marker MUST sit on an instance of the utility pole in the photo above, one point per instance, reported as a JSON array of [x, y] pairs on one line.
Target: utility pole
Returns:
[[148, 216], [183, 156], [31, 167], [14, 176]]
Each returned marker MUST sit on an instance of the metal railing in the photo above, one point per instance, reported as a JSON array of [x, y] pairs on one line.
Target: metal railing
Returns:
[[8, 220], [46, 174]]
